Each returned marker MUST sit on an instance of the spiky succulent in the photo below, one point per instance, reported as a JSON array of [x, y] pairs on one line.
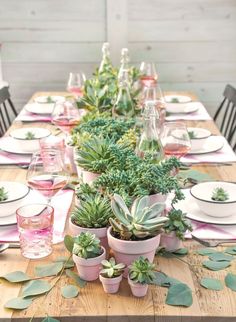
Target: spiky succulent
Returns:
[[142, 271], [177, 223], [219, 194], [129, 139], [139, 223], [94, 212], [86, 245], [29, 135], [111, 269], [3, 194], [84, 190]]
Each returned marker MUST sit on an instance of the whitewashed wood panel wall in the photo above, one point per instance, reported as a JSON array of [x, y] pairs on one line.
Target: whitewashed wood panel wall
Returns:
[[193, 42]]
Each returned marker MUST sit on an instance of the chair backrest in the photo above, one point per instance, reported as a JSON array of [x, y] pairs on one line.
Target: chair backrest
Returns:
[[7, 110], [226, 114]]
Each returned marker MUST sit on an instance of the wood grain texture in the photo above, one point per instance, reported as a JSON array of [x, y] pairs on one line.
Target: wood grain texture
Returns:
[[93, 305]]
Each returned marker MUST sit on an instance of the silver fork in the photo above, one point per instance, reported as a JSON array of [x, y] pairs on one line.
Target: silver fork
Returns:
[[213, 243]]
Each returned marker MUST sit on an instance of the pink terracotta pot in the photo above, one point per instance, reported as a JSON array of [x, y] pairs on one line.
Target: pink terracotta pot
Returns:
[[89, 268], [100, 233], [170, 242], [86, 176], [126, 251], [110, 285], [138, 290]]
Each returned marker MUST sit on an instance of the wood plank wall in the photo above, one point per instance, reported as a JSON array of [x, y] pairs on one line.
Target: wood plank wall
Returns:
[[193, 42]]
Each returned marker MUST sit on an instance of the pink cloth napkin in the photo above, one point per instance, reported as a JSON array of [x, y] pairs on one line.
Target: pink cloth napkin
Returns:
[[9, 158], [61, 204], [200, 114], [25, 116]]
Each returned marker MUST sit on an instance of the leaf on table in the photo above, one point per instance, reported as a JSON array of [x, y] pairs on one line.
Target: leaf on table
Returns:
[[69, 243], [49, 319], [16, 277], [48, 269], [179, 295], [205, 251], [36, 287], [195, 175], [161, 279], [65, 260], [230, 281], [211, 284], [231, 250], [69, 291], [181, 251], [76, 278], [216, 266], [218, 257], [18, 303]]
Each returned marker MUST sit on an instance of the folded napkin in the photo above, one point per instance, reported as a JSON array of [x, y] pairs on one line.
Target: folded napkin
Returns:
[[61, 204], [200, 114], [225, 154], [25, 116]]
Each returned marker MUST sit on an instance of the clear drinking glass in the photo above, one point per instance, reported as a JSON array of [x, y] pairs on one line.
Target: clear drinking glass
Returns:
[[175, 139], [149, 74], [35, 226], [75, 83]]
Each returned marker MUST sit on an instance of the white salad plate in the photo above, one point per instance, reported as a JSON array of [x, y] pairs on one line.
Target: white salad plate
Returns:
[[179, 98], [212, 144], [7, 144], [49, 99], [41, 109]]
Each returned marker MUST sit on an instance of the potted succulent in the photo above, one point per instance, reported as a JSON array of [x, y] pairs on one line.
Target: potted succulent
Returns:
[[135, 232], [174, 230], [92, 215], [88, 255], [141, 274], [111, 275]]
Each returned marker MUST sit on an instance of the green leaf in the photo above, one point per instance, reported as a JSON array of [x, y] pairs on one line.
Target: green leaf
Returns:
[[231, 250], [35, 287], [211, 284], [218, 257], [69, 291], [48, 269], [49, 319], [76, 278], [18, 303], [161, 279], [195, 175], [69, 243], [230, 281], [181, 251], [16, 277], [65, 261], [216, 266], [205, 251], [179, 295]]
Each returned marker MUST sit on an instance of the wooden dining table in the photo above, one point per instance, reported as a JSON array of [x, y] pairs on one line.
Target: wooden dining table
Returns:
[[92, 304]]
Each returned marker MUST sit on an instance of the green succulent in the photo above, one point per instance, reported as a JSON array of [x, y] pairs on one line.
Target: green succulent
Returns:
[[86, 245], [84, 190], [129, 139], [142, 271], [29, 135], [139, 223], [94, 212], [177, 223], [219, 194], [111, 269], [3, 194]]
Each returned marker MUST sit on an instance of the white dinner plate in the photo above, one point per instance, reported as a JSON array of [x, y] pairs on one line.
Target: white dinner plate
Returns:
[[49, 99], [181, 108], [41, 109], [190, 207], [212, 144], [9, 220], [180, 98], [7, 144]]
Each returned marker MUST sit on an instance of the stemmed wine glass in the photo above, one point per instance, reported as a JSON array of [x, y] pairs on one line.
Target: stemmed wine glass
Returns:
[[75, 83], [149, 74], [47, 173], [175, 139]]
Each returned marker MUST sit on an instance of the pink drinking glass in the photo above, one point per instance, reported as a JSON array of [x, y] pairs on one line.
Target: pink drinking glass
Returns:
[[75, 84], [149, 74]]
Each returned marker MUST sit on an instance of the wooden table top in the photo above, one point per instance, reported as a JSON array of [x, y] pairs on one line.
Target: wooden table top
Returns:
[[93, 304]]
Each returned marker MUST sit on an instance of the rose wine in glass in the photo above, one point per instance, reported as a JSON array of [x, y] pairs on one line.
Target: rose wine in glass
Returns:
[[75, 84], [149, 74]]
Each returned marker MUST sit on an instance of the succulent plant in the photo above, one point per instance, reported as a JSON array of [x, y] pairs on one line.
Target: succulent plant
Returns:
[[129, 139], [177, 223], [29, 135], [94, 212], [111, 269], [139, 223], [3, 194], [84, 190], [219, 194], [142, 271], [86, 245]]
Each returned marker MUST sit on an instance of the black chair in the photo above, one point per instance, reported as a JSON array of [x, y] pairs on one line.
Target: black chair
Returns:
[[7, 110], [226, 115]]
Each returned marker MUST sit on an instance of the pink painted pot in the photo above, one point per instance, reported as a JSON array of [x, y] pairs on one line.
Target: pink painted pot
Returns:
[[110, 285], [137, 289], [170, 242], [86, 176], [127, 251], [89, 268], [100, 233]]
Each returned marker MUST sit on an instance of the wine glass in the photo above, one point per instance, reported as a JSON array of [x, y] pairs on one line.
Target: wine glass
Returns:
[[175, 139], [75, 83], [149, 74], [47, 173]]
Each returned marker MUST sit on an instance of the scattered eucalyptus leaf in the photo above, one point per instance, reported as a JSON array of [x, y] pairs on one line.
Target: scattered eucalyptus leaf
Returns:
[[69, 243], [76, 278], [36, 287], [216, 266], [49, 319], [211, 284], [219, 257], [18, 303], [181, 251], [69, 291], [195, 175], [67, 263], [179, 294], [48, 269], [161, 279], [16, 277], [205, 251], [230, 281], [231, 250]]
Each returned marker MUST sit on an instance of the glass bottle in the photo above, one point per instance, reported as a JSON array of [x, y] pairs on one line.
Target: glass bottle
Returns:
[[124, 62], [149, 145], [124, 106], [106, 64]]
